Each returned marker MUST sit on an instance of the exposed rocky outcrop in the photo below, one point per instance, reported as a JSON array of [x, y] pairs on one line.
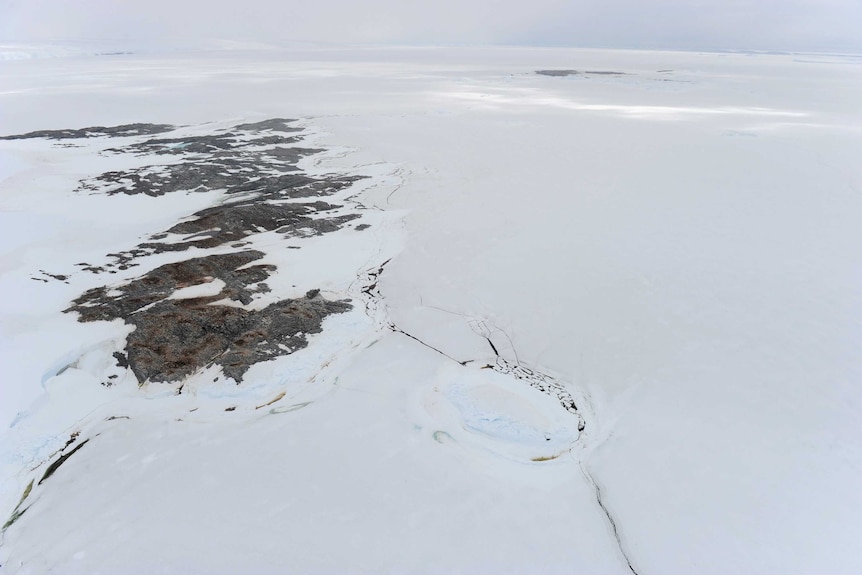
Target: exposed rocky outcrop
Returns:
[[175, 334], [579, 73], [94, 132], [173, 337]]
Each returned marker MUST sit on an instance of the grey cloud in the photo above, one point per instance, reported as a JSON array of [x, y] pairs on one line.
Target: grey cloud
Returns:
[[673, 24]]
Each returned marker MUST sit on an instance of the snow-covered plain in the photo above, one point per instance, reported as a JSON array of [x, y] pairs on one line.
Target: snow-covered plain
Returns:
[[677, 246]]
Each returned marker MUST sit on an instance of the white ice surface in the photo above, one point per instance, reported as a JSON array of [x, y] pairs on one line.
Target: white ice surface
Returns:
[[680, 247]]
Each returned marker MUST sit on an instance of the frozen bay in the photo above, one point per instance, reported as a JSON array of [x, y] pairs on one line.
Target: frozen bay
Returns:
[[674, 243]]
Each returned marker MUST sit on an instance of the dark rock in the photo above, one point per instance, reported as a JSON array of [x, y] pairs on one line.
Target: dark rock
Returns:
[[94, 132], [122, 360], [557, 72], [60, 461], [252, 163], [173, 338], [577, 73], [275, 125]]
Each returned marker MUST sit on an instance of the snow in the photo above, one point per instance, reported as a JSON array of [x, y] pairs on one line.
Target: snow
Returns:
[[678, 249]]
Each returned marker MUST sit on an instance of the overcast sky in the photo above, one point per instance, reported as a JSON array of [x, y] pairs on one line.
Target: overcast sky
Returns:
[[672, 24]]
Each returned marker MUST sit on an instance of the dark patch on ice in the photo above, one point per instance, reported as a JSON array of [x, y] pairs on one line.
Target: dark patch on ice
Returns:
[[173, 338], [559, 73], [239, 137], [60, 461], [94, 132], [59, 277], [92, 269], [256, 166], [361, 227], [227, 224], [72, 438], [245, 162], [274, 124], [122, 360], [540, 381], [247, 159], [232, 174], [185, 145], [96, 304], [233, 222], [18, 512]]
